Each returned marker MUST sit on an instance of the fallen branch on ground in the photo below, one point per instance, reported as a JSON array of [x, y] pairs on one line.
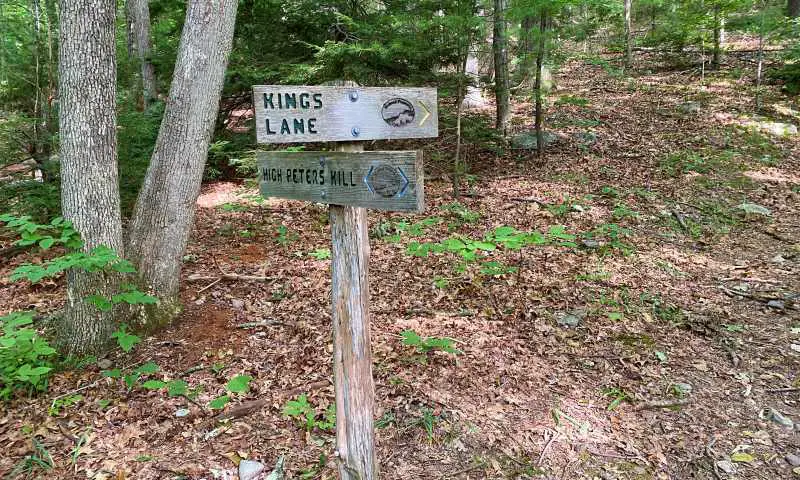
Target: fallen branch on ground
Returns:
[[231, 277], [656, 404], [249, 407]]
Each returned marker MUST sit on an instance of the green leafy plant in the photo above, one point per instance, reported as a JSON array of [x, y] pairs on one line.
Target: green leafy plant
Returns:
[[125, 340], [284, 237], [460, 214], [306, 415], [617, 396], [63, 402], [321, 253], [237, 384], [57, 232], [25, 357], [429, 344]]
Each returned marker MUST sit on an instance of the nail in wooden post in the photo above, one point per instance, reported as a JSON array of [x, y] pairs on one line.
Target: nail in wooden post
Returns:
[[352, 354]]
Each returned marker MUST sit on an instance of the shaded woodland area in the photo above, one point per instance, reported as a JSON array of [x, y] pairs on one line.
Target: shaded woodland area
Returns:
[[604, 284]]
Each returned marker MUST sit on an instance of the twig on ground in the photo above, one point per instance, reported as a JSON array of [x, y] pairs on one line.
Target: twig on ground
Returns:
[[266, 323], [782, 390], [531, 200], [463, 470], [669, 403], [209, 285], [615, 455], [553, 436], [679, 217]]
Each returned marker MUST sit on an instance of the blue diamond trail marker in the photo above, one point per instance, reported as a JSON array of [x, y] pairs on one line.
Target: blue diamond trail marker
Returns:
[[350, 180]]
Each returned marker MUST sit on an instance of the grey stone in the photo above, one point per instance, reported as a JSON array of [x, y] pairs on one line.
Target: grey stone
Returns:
[[778, 128], [689, 107], [569, 319], [250, 469], [793, 460], [684, 388], [727, 466], [589, 243], [181, 412], [777, 417], [237, 304], [528, 141], [104, 363], [585, 138], [754, 208], [777, 304]]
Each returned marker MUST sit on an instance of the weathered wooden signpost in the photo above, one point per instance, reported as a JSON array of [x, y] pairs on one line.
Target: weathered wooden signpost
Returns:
[[350, 180]]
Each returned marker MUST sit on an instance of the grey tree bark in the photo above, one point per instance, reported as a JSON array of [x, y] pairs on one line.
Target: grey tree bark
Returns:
[[89, 183], [164, 212], [793, 8], [537, 86], [500, 48], [628, 34], [719, 36], [139, 25]]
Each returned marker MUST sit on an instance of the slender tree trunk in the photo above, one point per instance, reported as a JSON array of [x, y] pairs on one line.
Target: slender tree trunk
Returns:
[[500, 47], [537, 87], [793, 8], [89, 184], [719, 37], [628, 34], [164, 212], [528, 50], [457, 166], [759, 68], [139, 24]]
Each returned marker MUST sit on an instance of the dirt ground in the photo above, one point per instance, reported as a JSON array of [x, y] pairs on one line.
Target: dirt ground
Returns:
[[660, 346]]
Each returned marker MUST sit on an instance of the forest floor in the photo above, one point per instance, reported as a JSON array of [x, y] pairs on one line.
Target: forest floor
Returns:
[[662, 341]]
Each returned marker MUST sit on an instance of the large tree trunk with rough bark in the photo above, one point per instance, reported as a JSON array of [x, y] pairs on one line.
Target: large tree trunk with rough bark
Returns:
[[628, 34], [500, 48], [793, 8], [139, 26], [89, 184], [164, 212]]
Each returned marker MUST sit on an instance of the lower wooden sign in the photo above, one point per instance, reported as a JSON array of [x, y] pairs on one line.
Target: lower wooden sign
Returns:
[[391, 180]]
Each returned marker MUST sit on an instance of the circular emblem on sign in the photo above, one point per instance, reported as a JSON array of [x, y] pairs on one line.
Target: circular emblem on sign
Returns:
[[386, 181], [397, 112]]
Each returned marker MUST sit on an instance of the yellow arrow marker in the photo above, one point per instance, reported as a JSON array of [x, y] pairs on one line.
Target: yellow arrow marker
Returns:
[[427, 112]]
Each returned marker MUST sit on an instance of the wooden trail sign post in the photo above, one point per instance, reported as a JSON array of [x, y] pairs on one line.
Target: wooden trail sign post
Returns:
[[351, 180]]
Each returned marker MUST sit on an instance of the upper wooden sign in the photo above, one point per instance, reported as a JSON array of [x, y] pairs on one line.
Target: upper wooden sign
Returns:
[[298, 114]]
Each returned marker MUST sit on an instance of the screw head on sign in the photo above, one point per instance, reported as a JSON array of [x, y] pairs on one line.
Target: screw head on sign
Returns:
[[353, 96], [355, 131], [323, 194], [322, 161]]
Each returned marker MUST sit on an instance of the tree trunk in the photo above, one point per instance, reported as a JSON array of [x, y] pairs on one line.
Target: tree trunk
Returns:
[[139, 24], [793, 8], [460, 94], [528, 48], [89, 184], [499, 45], [628, 34], [164, 212], [540, 54], [719, 37]]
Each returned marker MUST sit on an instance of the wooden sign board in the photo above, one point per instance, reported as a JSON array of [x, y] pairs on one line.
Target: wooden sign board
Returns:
[[292, 114], [379, 180]]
